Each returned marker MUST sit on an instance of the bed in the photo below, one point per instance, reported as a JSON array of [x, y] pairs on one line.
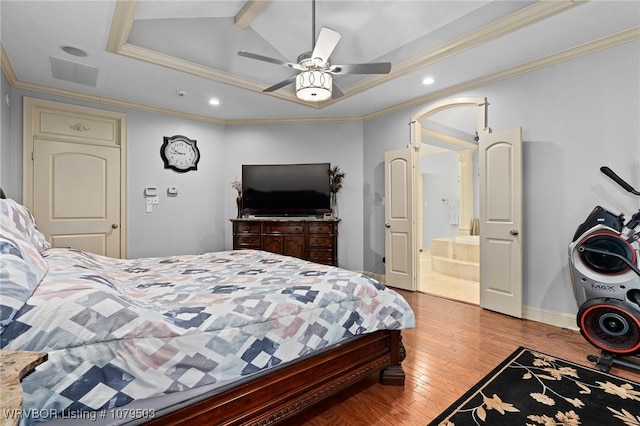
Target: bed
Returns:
[[231, 337]]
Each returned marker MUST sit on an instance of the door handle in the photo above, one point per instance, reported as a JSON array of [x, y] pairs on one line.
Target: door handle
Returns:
[[514, 232], [114, 225], [387, 225]]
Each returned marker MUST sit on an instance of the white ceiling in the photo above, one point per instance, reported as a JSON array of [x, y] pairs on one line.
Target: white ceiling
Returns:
[[147, 51]]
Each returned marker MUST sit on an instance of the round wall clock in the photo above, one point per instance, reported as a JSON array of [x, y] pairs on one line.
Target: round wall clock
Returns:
[[180, 153]]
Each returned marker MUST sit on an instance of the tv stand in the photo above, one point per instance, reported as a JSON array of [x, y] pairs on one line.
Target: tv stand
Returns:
[[307, 238]]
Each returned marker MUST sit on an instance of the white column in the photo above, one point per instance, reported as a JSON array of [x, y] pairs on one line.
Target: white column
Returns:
[[465, 191]]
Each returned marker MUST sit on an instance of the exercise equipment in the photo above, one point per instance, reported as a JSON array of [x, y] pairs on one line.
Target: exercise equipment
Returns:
[[604, 259]]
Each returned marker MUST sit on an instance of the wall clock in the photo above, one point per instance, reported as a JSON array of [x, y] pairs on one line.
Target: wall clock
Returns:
[[180, 153]]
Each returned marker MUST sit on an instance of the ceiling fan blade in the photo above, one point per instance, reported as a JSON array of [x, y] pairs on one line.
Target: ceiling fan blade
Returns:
[[372, 68], [336, 92], [327, 41], [280, 85], [268, 59]]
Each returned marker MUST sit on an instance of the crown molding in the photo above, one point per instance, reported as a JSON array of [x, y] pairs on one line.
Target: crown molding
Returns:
[[167, 61], [7, 68], [142, 107], [9, 72], [125, 13], [253, 122], [114, 102], [588, 48], [123, 19], [538, 11], [604, 43]]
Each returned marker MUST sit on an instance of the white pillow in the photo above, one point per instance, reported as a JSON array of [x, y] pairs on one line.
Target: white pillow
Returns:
[[19, 218], [22, 265]]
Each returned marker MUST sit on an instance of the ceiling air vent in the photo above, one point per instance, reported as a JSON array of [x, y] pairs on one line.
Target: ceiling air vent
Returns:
[[74, 72]]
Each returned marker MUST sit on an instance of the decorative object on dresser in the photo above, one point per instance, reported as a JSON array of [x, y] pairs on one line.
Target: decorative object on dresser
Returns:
[[237, 185], [336, 176], [306, 238], [180, 153]]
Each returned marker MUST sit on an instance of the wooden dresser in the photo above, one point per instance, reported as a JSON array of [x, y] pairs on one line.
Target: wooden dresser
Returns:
[[307, 238]]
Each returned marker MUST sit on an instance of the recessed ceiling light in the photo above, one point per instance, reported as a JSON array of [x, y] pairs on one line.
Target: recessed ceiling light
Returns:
[[214, 101], [74, 51], [428, 80]]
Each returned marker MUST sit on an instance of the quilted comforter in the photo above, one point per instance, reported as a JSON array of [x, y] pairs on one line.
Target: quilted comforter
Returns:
[[120, 330]]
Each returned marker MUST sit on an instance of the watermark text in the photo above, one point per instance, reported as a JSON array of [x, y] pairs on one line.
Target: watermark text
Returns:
[[113, 414]]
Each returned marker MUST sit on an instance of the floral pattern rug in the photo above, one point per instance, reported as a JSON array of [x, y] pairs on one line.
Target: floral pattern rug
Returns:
[[530, 388]]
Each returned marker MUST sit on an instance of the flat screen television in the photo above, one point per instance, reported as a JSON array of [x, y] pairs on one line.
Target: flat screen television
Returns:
[[285, 189]]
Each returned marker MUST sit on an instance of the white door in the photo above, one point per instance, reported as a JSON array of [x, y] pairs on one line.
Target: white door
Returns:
[[400, 247], [501, 221], [76, 199], [74, 175]]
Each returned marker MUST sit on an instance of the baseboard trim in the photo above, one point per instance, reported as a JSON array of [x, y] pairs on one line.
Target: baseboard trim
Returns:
[[558, 319]]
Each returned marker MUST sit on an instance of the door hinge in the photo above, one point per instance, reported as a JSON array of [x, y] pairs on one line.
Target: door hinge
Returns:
[[32, 156]]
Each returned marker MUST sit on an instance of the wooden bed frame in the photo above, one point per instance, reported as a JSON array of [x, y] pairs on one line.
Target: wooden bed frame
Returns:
[[287, 391]]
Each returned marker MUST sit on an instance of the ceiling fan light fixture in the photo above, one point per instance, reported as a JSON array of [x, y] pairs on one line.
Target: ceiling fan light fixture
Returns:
[[314, 86]]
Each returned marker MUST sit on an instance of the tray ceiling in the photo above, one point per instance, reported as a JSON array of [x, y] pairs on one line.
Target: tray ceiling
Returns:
[[147, 51]]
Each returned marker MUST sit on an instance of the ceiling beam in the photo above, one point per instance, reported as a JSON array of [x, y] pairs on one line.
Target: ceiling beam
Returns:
[[123, 16], [249, 12], [447, 130], [447, 138]]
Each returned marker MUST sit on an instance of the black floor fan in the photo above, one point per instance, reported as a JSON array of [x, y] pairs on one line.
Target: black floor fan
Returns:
[[604, 259]]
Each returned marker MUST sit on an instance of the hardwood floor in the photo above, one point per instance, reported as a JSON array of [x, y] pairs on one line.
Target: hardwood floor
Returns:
[[453, 346]]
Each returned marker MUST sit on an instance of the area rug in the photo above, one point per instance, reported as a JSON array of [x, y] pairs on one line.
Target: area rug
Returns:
[[532, 388]]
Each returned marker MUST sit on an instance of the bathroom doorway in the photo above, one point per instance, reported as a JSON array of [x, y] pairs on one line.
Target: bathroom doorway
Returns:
[[448, 238], [500, 200]]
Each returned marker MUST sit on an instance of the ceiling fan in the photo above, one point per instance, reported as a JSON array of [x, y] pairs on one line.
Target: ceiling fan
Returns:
[[314, 83]]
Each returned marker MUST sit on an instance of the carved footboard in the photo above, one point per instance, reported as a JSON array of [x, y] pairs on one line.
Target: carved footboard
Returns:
[[291, 389]]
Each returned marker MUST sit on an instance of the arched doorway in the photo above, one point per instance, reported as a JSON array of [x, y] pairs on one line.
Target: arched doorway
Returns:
[[448, 257], [500, 160]]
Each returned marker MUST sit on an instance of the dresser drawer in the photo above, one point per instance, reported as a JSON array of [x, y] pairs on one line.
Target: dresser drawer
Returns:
[[283, 228], [320, 228], [321, 256], [317, 241], [247, 241], [247, 228], [309, 239]]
